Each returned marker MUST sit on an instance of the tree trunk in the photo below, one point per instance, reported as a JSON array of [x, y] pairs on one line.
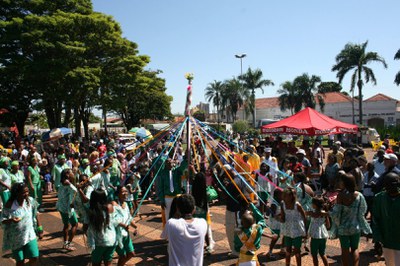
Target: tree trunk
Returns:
[[77, 121], [20, 122], [360, 112], [218, 116], [51, 120], [105, 120], [67, 117]]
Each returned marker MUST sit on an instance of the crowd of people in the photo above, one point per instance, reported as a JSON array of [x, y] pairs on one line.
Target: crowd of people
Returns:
[[296, 196]]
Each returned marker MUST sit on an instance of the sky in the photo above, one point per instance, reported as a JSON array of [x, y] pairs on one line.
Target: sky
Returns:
[[284, 39]]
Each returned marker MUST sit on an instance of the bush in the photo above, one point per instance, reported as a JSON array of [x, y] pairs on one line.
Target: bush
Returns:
[[240, 126], [393, 131]]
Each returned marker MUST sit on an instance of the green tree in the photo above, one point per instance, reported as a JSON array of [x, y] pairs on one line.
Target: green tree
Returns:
[[240, 126], [329, 86], [253, 79], [144, 98], [397, 78], [213, 94], [355, 58], [288, 98], [200, 115], [307, 91], [233, 96]]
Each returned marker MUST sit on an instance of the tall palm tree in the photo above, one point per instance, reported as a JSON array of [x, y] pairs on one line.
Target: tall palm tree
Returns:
[[397, 79], [253, 79], [307, 91], [233, 96], [354, 58], [213, 93], [288, 98]]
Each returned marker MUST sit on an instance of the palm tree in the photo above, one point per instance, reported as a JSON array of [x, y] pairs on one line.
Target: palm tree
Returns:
[[397, 79], [354, 58], [233, 96], [253, 79], [307, 90], [288, 98], [213, 93]]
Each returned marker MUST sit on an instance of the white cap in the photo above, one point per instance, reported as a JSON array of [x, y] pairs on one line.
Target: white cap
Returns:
[[268, 150], [301, 151], [390, 156], [338, 143]]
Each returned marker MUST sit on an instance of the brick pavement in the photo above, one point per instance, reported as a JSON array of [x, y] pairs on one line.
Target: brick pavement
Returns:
[[151, 250]]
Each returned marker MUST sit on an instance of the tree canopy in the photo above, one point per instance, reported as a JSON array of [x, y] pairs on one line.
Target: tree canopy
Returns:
[[62, 57]]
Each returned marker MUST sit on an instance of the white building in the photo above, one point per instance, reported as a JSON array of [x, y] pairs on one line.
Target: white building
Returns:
[[378, 110]]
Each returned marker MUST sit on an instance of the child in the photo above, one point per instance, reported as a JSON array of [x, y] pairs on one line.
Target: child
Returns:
[[19, 220], [274, 222], [122, 208], [199, 193], [47, 179], [102, 236], [85, 189], [318, 230], [293, 220], [66, 194], [133, 191], [248, 236]]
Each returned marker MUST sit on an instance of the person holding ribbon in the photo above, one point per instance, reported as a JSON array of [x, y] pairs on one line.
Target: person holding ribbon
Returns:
[[169, 185]]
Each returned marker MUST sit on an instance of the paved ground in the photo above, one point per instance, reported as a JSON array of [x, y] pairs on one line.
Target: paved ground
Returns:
[[151, 250]]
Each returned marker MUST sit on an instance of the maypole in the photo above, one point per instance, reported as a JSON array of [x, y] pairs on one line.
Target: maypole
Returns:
[[189, 77]]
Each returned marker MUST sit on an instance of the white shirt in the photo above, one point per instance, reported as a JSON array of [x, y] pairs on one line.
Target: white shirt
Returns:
[[379, 167], [186, 241]]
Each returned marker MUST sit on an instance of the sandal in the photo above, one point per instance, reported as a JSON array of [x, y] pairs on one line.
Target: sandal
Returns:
[[69, 247]]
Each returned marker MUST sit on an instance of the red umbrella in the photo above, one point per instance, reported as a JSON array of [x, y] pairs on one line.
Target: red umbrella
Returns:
[[311, 123]]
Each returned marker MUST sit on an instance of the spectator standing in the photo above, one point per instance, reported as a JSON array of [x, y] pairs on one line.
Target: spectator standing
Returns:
[[185, 235], [386, 217]]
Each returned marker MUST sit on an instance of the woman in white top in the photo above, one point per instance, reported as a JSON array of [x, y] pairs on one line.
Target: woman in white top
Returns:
[[186, 235], [19, 219]]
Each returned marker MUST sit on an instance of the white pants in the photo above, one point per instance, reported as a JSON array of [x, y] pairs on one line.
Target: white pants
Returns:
[[168, 203], [392, 256], [230, 225]]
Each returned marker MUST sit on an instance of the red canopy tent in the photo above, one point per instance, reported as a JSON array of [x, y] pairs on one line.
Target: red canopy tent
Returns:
[[309, 122]]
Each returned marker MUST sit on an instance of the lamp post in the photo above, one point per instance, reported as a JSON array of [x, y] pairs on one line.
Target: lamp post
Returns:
[[241, 56]]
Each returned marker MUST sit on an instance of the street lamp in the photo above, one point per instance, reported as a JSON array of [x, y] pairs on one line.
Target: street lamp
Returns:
[[241, 56]]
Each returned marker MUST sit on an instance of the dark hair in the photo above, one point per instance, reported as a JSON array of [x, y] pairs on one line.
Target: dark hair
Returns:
[[64, 175], [301, 177], [199, 191], [99, 217], [186, 204], [81, 176], [291, 191], [319, 202], [349, 182], [118, 190], [16, 189]]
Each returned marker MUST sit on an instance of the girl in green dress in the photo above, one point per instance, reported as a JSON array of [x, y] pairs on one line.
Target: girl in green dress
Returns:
[[33, 179], [20, 222]]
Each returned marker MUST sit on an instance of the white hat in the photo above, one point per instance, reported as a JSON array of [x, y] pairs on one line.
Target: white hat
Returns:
[[338, 143], [268, 150], [101, 141], [301, 151], [382, 147], [390, 156]]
